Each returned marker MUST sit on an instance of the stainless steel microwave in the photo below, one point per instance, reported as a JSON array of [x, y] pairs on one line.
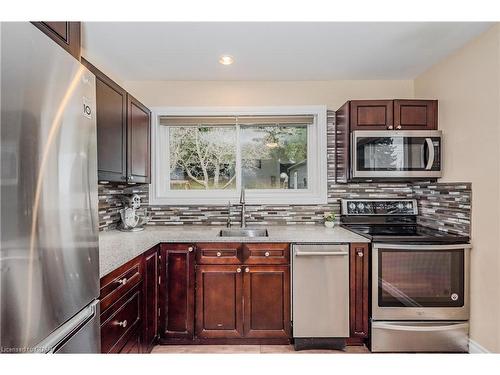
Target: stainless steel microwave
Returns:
[[396, 154]]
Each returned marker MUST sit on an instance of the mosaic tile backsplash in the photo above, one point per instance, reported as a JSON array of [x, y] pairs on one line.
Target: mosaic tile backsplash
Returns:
[[442, 206]]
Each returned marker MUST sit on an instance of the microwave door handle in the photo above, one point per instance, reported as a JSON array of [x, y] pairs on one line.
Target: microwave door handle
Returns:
[[432, 155]]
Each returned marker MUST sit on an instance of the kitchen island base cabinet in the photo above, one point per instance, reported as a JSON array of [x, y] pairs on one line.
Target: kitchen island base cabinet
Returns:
[[177, 292]]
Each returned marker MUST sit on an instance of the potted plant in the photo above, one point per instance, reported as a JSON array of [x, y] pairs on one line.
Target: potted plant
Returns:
[[329, 219]]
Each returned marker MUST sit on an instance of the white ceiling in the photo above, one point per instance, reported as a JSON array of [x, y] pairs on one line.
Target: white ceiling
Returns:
[[274, 51]]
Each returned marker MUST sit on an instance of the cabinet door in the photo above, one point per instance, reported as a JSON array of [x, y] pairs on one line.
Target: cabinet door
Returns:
[[415, 114], [139, 130], [371, 114], [66, 34], [219, 301], [358, 264], [150, 291], [176, 291], [266, 296], [111, 115]]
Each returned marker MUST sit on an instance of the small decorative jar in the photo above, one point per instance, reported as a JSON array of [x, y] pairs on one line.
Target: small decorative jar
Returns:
[[329, 219], [329, 224]]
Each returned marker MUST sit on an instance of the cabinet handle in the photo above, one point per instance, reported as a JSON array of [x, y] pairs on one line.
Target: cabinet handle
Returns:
[[131, 177], [122, 323], [238, 269], [122, 281], [390, 127], [247, 269], [190, 249], [398, 127], [266, 253], [219, 253], [360, 254]]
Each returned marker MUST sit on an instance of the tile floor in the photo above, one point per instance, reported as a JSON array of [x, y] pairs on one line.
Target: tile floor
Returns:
[[248, 349]]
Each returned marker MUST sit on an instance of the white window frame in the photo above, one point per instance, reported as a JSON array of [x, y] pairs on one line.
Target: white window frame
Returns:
[[316, 192]]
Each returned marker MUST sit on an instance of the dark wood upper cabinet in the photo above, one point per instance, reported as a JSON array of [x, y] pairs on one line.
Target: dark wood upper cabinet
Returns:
[[219, 303], [266, 296], [177, 280], [359, 257], [111, 115], [371, 114], [66, 34], [415, 114], [138, 135], [150, 292], [123, 132]]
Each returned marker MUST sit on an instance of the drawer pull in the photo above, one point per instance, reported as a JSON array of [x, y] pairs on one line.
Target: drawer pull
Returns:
[[122, 281], [219, 253], [238, 269], [247, 269], [190, 249], [122, 323], [360, 254], [267, 253]]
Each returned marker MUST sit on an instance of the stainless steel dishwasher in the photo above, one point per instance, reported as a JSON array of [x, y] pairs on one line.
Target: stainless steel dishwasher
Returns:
[[320, 295]]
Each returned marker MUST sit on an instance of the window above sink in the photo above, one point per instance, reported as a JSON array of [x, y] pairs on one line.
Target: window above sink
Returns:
[[206, 155]]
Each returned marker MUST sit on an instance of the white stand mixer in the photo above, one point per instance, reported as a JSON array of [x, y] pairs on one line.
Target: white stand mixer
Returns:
[[133, 220]]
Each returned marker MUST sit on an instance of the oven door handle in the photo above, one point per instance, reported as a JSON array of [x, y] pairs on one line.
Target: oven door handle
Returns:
[[432, 155], [423, 328], [379, 245]]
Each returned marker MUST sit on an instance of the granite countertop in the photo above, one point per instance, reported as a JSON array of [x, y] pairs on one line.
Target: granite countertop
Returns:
[[117, 248]]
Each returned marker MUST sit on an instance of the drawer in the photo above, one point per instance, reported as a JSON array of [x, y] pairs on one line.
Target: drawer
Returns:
[[266, 253], [120, 322], [420, 336], [218, 253], [115, 284]]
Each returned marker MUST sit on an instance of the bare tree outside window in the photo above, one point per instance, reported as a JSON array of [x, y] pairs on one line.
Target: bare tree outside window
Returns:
[[202, 157]]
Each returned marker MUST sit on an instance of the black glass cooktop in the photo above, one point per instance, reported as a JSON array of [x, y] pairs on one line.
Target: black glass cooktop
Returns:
[[404, 233]]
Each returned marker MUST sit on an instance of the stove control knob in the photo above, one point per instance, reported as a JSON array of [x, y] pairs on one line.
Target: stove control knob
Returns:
[[400, 206], [409, 206], [352, 206], [361, 206]]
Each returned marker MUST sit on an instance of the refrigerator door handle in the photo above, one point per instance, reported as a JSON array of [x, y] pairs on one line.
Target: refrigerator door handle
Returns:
[[57, 338]]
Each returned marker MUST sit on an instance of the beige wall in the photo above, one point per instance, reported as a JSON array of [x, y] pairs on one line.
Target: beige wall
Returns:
[[256, 93], [467, 85]]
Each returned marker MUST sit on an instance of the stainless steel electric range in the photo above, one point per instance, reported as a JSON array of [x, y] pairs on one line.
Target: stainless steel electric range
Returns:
[[420, 278]]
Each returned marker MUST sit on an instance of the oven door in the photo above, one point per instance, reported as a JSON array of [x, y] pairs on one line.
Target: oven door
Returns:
[[420, 282], [396, 154]]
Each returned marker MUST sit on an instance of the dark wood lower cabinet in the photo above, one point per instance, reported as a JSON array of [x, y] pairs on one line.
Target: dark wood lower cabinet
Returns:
[[359, 292], [176, 291], [219, 303], [163, 295], [266, 301], [150, 291]]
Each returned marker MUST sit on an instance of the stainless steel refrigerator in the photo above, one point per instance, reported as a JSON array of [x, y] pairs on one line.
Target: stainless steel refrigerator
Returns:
[[49, 226]]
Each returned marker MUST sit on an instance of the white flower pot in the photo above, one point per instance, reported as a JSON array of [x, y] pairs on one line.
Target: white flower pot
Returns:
[[329, 224]]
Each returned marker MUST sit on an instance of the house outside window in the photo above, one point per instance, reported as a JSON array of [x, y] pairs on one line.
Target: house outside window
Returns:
[[208, 155]]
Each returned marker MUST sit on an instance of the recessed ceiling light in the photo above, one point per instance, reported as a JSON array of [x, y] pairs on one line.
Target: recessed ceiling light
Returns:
[[226, 60]]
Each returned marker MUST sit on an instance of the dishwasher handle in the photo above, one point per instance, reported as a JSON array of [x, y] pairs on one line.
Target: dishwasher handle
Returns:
[[320, 253]]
